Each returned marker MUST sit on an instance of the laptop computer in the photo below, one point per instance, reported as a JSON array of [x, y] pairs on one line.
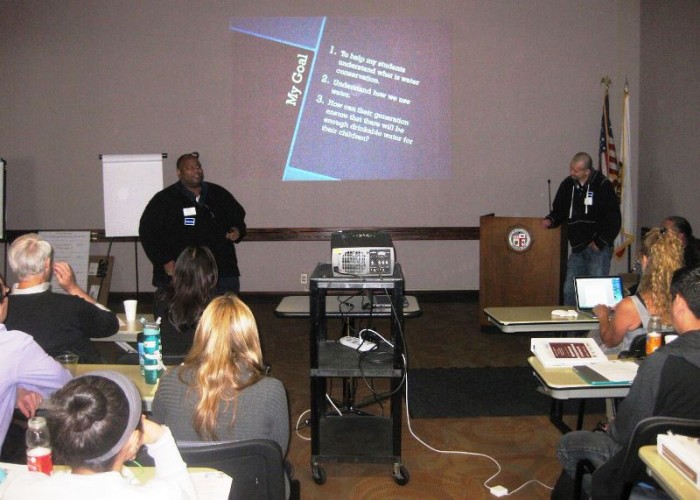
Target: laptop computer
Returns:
[[594, 290]]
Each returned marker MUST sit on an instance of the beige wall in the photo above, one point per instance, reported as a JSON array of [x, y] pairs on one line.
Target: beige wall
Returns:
[[83, 78], [669, 120]]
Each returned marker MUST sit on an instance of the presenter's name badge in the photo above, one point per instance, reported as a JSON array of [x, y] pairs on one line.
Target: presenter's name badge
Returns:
[[519, 239]]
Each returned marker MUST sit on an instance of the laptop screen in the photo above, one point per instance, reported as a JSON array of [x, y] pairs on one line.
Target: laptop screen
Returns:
[[594, 290]]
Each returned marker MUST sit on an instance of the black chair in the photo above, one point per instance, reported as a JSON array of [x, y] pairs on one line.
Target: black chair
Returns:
[[256, 466], [638, 346], [616, 477]]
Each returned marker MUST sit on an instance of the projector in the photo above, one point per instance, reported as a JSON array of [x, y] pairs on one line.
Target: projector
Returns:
[[362, 253]]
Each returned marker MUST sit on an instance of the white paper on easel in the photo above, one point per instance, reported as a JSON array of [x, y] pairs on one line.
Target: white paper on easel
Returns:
[[72, 247], [129, 182]]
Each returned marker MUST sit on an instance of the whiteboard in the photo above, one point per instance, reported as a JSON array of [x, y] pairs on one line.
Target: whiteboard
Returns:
[[72, 247], [129, 181]]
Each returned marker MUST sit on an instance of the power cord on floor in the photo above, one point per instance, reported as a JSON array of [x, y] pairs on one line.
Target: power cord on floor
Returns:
[[296, 427], [498, 491]]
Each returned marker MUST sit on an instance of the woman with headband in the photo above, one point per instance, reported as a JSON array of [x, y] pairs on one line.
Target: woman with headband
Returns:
[[96, 425]]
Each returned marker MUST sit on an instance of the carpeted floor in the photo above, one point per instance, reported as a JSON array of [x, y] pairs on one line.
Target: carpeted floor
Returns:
[[508, 391]]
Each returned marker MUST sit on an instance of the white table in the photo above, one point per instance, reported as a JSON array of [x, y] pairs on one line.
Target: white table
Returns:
[[673, 482], [128, 332], [537, 319], [209, 483], [133, 372], [563, 383]]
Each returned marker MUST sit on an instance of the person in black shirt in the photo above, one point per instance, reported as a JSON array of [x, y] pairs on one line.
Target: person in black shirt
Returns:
[[59, 323], [691, 245], [193, 212], [586, 202], [181, 303]]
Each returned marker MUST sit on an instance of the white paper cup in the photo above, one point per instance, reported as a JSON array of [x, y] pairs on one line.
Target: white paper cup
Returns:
[[69, 362], [670, 338], [130, 310]]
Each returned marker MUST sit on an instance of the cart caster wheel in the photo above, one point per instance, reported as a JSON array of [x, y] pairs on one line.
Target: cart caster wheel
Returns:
[[401, 475], [318, 474]]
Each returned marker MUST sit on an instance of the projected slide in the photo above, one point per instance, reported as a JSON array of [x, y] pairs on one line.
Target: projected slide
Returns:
[[341, 98]]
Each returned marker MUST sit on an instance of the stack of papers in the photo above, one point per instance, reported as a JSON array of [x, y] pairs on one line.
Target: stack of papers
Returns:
[[683, 453]]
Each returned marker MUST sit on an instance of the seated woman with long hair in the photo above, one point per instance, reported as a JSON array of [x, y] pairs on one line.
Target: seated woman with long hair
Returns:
[[182, 302], [221, 392], [660, 255], [96, 425]]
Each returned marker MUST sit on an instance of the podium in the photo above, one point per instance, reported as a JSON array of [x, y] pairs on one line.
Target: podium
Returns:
[[520, 263]]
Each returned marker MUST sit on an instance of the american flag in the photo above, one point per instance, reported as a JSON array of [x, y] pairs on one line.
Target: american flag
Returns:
[[607, 163]]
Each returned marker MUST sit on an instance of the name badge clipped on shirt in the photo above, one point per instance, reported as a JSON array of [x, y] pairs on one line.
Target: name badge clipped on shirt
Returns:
[[589, 199], [189, 221], [189, 211]]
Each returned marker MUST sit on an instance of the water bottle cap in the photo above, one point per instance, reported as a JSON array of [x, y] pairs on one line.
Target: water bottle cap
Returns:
[[36, 422], [151, 329]]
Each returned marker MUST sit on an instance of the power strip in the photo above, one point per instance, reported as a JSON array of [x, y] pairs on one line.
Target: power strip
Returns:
[[357, 344]]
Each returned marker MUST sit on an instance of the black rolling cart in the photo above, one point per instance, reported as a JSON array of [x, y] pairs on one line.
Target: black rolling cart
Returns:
[[354, 436]]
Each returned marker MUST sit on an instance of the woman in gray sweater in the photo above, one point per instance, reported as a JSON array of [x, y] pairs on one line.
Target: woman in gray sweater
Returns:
[[221, 392]]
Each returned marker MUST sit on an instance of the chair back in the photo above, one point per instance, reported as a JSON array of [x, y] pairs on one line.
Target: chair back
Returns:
[[256, 465]]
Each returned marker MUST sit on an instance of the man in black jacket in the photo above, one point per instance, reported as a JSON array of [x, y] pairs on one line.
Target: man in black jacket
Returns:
[[192, 212], [586, 202]]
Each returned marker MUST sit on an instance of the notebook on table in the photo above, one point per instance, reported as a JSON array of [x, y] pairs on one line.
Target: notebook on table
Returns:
[[594, 290], [613, 372]]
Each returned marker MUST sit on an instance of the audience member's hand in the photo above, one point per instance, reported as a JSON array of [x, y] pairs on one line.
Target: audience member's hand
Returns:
[[169, 268], [152, 431], [546, 223], [602, 312], [28, 401], [233, 234], [65, 277]]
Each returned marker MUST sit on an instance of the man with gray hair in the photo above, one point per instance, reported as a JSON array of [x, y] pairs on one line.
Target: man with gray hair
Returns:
[[59, 323]]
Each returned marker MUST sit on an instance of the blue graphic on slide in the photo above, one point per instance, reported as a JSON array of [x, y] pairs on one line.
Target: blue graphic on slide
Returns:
[[298, 31], [342, 99]]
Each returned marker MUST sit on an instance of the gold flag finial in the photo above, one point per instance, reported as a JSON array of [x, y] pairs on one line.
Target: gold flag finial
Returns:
[[606, 82]]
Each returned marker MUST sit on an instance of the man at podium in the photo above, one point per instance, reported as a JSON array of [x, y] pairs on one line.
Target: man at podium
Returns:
[[586, 202]]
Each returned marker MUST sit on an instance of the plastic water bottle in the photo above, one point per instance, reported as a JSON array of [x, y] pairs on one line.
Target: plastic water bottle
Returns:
[[653, 334], [38, 446], [151, 351]]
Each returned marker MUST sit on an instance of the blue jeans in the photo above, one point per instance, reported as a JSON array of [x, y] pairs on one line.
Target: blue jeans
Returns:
[[586, 263], [598, 447]]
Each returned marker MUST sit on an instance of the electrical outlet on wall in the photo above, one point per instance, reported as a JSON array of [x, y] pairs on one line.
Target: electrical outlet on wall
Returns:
[[304, 279]]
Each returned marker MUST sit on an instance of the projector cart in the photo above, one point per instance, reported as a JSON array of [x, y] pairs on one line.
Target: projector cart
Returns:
[[355, 436]]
